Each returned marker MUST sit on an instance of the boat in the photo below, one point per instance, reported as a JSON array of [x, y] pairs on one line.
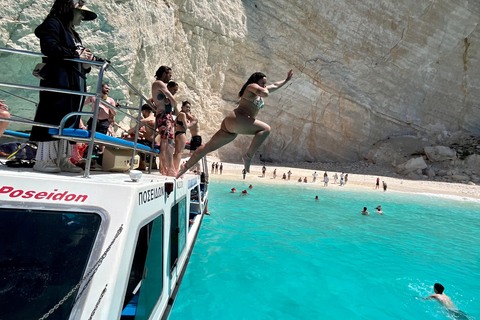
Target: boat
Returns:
[[97, 245]]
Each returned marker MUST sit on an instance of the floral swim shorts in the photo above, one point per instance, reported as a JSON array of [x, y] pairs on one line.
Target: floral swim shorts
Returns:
[[165, 125]]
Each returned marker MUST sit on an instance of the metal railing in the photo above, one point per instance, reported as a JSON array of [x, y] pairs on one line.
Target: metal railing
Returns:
[[103, 66]]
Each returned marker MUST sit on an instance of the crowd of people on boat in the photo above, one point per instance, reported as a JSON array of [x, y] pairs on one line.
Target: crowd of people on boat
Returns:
[[59, 41]]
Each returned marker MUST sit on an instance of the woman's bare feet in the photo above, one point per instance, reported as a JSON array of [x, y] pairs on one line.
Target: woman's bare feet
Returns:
[[171, 173], [246, 162], [181, 172]]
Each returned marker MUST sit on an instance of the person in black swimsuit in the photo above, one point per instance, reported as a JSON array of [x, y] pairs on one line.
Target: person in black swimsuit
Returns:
[[242, 121], [181, 126]]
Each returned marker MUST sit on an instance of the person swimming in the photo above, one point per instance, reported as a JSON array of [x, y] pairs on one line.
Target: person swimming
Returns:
[[233, 190], [364, 211], [446, 302]]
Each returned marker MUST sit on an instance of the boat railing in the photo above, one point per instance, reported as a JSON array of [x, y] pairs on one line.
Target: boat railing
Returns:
[[59, 131]]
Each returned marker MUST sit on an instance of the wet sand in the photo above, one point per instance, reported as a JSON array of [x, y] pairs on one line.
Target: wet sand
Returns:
[[358, 179]]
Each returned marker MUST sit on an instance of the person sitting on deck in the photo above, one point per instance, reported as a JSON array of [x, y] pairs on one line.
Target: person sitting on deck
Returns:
[[145, 133], [3, 114], [106, 114]]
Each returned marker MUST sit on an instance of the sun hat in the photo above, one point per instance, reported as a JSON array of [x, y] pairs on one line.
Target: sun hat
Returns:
[[87, 13]]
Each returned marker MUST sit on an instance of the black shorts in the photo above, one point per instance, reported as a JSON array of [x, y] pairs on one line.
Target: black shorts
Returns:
[[195, 142], [102, 125]]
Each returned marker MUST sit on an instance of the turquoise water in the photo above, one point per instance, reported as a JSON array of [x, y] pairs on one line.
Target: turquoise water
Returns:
[[279, 254]]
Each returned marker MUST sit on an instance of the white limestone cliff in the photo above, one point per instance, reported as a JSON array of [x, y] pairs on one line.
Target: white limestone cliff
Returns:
[[363, 71]]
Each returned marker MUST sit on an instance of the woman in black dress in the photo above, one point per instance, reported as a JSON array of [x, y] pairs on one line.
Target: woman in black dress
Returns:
[[59, 40]]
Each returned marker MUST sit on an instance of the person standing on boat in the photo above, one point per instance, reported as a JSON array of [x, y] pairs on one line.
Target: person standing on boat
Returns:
[[242, 120], [164, 99], [181, 126], [58, 41], [3, 114], [196, 140]]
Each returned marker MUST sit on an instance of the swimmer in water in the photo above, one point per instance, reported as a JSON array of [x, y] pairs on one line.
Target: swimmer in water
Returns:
[[364, 211], [446, 302], [233, 190], [379, 209]]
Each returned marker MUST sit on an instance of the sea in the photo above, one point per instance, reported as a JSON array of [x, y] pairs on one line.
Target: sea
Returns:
[[278, 253]]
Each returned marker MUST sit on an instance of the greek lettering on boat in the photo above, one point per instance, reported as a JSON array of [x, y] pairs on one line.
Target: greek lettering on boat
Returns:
[[150, 195]]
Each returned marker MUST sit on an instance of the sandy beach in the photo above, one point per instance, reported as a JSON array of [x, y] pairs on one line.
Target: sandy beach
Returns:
[[361, 177]]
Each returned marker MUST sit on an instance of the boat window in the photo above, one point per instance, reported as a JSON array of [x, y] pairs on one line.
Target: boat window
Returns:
[[145, 283], [43, 255], [177, 231]]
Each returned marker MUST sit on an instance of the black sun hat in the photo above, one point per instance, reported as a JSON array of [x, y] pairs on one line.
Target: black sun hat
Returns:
[[88, 14]]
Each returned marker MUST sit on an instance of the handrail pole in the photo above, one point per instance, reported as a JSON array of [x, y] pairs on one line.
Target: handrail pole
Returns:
[[33, 123], [38, 88], [86, 174], [136, 134], [131, 87]]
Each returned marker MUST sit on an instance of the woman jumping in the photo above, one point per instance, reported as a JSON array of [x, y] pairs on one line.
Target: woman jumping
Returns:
[[242, 120]]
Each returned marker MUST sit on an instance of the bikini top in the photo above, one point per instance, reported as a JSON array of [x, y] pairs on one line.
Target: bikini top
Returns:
[[258, 102]]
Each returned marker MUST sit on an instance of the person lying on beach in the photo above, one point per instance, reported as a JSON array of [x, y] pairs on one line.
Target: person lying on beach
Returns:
[[364, 211], [242, 120], [446, 302]]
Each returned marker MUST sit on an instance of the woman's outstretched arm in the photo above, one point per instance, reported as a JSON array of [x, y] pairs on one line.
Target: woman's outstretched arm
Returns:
[[277, 85]]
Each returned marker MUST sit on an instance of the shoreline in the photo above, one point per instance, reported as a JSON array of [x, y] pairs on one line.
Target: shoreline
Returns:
[[356, 181]]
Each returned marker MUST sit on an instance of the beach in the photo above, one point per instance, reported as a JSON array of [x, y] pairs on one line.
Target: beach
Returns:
[[361, 177]]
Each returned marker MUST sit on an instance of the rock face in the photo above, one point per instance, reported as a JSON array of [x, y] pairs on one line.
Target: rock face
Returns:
[[440, 153], [363, 71]]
